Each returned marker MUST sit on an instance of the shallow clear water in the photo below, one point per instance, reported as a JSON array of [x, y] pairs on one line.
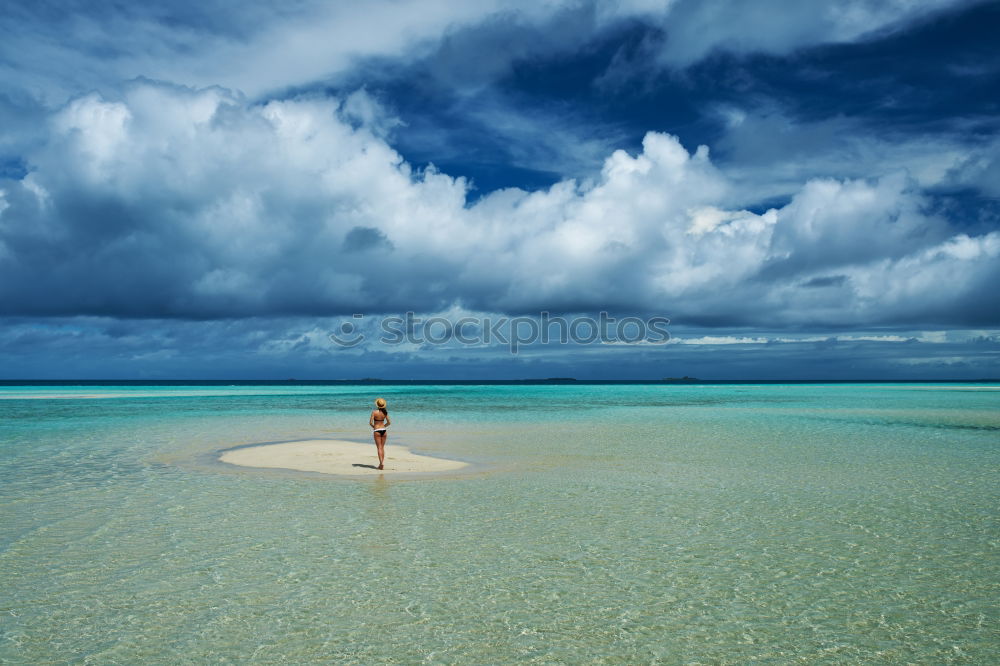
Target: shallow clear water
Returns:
[[603, 524]]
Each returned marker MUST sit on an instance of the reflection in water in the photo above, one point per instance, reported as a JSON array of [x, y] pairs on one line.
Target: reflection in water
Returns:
[[380, 533]]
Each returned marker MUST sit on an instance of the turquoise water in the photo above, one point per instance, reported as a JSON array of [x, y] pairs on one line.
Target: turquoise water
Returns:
[[604, 524]]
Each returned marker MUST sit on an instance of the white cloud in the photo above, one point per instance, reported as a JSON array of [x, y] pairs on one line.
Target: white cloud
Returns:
[[972, 361], [831, 223], [929, 337], [696, 28], [721, 340], [266, 46], [953, 279], [195, 203], [253, 47]]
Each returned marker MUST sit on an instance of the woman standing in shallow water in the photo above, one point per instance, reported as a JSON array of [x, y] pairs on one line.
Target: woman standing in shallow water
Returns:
[[379, 421]]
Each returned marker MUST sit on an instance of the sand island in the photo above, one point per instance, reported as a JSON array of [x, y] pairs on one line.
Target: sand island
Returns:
[[332, 456]]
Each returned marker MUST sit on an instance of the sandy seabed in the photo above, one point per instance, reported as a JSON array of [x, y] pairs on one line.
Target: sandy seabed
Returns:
[[332, 456]]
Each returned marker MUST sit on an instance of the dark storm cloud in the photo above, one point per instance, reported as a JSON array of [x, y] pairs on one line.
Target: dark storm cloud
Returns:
[[360, 239], [825, 281], [255, 348]]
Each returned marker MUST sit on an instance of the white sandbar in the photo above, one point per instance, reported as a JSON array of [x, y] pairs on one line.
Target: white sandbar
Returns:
[[332, 456]]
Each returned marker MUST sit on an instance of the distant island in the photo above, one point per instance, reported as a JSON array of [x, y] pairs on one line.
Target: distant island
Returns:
[[685, 378]]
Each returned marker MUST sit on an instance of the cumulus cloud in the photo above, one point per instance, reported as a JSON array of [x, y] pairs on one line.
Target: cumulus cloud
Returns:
[[195, 203]]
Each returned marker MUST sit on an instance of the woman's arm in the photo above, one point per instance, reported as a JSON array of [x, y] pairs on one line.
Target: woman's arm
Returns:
[[371, 419], [388, 421]]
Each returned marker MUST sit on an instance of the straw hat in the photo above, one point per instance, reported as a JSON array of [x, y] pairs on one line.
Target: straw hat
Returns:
[[380, 403]]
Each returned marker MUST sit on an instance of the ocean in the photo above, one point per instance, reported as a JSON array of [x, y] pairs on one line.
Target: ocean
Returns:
[[599, 523]]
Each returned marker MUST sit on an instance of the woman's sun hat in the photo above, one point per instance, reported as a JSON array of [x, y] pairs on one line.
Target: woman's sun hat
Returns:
[[380, 402]]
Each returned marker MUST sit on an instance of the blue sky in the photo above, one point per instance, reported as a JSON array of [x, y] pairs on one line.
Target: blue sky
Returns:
[[200, 190]]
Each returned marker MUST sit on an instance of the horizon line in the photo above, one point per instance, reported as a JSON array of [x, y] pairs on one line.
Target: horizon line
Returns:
[[375, 380]]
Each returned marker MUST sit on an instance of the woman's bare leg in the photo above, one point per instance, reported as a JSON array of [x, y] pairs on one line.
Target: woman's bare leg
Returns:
[[380, 446]]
